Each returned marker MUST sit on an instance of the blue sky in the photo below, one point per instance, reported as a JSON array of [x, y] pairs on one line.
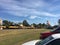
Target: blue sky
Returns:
[[34, 11]]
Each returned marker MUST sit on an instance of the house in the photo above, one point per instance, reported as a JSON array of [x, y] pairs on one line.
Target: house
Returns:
[[1, 22]]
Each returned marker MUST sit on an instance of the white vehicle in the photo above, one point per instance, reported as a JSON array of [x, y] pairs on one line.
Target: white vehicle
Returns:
[[31, 42], [51, 40]]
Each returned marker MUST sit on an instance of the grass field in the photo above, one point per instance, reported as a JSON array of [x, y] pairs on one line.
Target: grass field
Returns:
[[19, 36]]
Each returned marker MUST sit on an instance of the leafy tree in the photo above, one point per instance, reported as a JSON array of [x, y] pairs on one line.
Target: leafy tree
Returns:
[[55, 26], [15, 24], [6, 23], [25, 23], [35, 25], [49, 27], [43, 25], [11, 23], [39, 25], [59, 22]]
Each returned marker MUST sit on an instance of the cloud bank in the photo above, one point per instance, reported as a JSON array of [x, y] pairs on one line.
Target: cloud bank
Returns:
[[30, 8]]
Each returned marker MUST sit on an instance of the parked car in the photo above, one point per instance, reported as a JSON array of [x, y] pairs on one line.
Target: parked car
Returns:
[[51, 40], [31, 42], [46, 34]]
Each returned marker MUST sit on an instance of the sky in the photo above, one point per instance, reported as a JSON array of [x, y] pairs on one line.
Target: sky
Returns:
[[34, 11]]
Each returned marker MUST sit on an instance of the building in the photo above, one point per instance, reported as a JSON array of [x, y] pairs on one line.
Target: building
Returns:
[[48, 23], [21, 25], [1, 22]]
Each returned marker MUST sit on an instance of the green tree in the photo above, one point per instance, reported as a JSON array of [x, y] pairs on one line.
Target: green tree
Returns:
[[59, 22], [25, 23], [7, 23], [55, 26], [10, 23], [43, 25], [35, 25], [15, 24], [39, 25]]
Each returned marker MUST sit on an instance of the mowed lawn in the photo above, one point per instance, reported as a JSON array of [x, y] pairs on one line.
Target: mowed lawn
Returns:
[[19, 36]]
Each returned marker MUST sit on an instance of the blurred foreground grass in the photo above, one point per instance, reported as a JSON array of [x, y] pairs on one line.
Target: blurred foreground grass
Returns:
[[19, 36]]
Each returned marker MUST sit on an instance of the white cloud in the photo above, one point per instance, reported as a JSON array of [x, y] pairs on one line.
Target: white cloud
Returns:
[[55, 0], [33, 17], [14, 8], [49, 14], [54, 8]]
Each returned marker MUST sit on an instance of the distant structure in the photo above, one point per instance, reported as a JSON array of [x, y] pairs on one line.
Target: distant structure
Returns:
[[21, 25], [32, 26], [59, 22], [48, 23], [1, 22]]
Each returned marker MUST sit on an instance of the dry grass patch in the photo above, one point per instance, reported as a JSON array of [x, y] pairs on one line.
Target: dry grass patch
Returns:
[[19, 36]]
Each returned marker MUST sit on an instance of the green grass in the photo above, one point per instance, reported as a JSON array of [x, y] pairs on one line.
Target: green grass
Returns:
[[19, 36]]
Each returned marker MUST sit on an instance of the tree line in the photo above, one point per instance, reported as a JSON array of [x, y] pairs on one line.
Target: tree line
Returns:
[[26, 24]]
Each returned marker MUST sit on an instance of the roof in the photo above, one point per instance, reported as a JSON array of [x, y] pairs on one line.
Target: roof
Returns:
[[56, 35], [31, 42]]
